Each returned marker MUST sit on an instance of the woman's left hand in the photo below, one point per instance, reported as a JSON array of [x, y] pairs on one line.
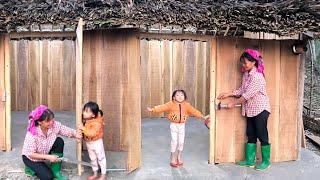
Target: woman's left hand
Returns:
[[224, 95], [231, 105], [79, 134], [52, 158]]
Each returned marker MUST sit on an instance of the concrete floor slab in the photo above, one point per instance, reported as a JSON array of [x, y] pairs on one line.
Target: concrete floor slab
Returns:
[[155, 156]]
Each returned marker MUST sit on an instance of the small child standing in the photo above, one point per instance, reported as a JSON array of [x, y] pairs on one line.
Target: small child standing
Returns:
[[178, 110], [92, 128]]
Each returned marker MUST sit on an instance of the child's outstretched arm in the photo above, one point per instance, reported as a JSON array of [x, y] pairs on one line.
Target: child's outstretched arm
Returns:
[[160, 108], [194, 112]]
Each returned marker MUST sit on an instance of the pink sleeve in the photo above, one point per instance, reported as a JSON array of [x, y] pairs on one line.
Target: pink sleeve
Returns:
[[29, 145], [239, 91], [64, 130]]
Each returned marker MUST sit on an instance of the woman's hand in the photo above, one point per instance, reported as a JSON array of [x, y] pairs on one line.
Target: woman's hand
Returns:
[[149, 109], [52, 158], [224, 95], [79, 135], [231, 105], [80, 127], [79, 132]]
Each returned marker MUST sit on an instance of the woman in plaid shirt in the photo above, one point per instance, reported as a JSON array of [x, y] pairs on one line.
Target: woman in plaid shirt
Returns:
[[42, 144], [253, 96]]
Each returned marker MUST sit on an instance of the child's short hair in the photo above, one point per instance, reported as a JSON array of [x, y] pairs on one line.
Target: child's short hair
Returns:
[[46, 115], [179, 90], [94, 107]]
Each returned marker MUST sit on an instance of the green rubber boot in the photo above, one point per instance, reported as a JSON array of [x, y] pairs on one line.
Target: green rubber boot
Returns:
[[265, 153], [56, 168], [29, 172], [250, 155]]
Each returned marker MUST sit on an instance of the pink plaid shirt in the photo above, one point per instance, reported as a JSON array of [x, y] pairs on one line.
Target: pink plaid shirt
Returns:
[[253, 89], [41, 143]]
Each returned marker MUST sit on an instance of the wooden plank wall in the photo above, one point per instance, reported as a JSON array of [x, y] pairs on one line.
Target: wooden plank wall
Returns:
[[282, 87], [109, 78], [169, 65], [43, 72]]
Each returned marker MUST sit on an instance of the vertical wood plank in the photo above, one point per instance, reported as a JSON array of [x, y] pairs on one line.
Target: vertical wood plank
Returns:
[[271, 54], [55, 78], [213, 82], [2, 95], [226, 71], [40, 71], [13, 74], [88, 38], [189, 72], [155, 57], [301, 142], [66, 76], [8, 91], [45, 71], [166, 72], [33, 75], [73, 75], [208, 75], [200, 68], [177, 65], [99, 70], [132, 104], [112, 100], [288, 101], [93, 70], [22, 83], [145, 78]]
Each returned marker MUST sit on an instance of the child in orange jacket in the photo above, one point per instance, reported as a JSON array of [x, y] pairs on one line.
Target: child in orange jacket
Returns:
[[178, 110], [93, 136]]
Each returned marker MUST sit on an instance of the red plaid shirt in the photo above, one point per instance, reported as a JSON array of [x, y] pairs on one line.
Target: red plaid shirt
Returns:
[[253, 89], [41, 143]]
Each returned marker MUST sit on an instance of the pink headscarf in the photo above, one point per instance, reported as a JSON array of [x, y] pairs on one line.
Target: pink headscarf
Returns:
[[257, 56], [34, 116]]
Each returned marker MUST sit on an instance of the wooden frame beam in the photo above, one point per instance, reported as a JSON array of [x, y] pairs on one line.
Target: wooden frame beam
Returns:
[[193, 37], [213, 60], [268, 36], [24, 35], [79, 43]]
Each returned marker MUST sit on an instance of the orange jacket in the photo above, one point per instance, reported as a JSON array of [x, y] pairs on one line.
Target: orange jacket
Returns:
[[93, 129], [177, 112]]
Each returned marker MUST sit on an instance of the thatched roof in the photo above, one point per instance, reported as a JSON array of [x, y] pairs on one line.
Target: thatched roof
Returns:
[[204, 16]]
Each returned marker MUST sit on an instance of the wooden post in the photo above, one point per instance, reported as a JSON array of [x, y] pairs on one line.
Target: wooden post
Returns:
[[312, 55], [213, 59], [300, 130], [79, 85], [8, 91]]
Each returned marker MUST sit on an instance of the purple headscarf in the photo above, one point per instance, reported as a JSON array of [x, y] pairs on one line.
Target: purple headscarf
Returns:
[[34, 116], [257, 56]]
